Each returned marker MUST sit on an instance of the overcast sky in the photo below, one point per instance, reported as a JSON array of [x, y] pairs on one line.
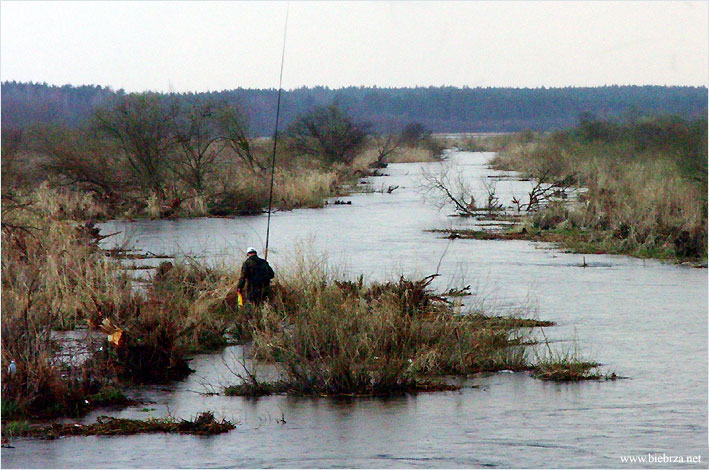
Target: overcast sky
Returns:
[[202, 46]]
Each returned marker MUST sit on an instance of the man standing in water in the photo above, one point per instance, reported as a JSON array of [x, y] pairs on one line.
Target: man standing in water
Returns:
[[256, 275]]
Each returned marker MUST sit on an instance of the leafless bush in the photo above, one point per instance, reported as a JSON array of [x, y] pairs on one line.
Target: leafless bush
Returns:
[[139, 126], [76, 158], [493, 203], [328, 133], [445, 186], [386, 145]]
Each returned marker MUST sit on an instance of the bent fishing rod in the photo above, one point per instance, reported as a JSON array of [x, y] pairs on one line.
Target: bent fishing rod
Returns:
[[275, 134]]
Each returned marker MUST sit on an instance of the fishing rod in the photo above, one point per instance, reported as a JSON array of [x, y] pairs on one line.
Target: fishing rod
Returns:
[[275, 134]]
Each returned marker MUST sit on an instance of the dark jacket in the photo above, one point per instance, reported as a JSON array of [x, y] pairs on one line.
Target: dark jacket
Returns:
[[256, 275]]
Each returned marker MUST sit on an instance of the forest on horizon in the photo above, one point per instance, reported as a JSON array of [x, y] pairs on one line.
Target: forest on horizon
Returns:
[[439, 109]]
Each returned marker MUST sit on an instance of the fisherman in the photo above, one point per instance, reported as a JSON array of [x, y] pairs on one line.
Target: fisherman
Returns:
[[256, 275]]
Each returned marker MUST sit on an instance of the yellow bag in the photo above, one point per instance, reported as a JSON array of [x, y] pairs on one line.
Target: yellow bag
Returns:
[[115, 338], [240, 300]]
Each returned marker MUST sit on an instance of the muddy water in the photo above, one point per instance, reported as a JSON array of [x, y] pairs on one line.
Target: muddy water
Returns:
[[643, 319]]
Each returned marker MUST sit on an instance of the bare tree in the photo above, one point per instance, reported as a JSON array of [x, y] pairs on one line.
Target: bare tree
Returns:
[[78, 158], [493, 203], [233, 128], [386, 144], [140, 127], [197, 137], [547, 188], [448, 186], [328, 133]]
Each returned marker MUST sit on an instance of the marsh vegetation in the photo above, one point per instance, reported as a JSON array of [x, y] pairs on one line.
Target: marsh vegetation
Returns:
[[325, 333], [145, 155], [636, 187]]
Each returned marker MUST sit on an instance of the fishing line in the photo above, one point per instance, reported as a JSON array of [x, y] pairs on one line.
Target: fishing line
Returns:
[[275, 134]]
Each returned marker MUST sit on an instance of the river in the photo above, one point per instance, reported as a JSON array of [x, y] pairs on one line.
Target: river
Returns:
[[645, 320]]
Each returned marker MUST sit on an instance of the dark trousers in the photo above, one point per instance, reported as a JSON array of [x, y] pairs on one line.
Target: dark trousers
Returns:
[[256, 294]]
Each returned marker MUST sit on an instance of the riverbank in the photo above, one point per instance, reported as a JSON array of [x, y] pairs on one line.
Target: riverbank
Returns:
[[150, 155], [236, 188], [569, 240], [644, 188]]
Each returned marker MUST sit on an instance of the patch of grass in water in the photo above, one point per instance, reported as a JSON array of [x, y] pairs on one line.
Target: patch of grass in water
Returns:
[[109, 396], [253, 388], [203, 424], [566, 371], [566, 366], [509, 322]]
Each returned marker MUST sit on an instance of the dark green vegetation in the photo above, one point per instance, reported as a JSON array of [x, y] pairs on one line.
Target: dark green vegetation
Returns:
[[644, 187], [441, 109], [203, 424]]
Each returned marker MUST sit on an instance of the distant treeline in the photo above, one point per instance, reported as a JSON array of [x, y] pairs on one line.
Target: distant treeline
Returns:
[[440, 109]]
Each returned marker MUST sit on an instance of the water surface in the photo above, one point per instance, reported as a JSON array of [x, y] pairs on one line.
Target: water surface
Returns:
[[643, 319]]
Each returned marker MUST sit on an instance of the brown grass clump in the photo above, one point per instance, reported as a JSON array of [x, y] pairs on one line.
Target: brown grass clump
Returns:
[[566, 366], [562, 371]]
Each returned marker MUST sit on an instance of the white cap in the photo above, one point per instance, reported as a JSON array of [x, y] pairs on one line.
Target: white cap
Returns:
[[250, 249]]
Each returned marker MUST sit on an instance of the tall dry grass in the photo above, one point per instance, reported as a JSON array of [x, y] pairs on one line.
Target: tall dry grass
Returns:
[[55, 278], [304, 188], [337, 337], [643, 197], [51, 278]]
